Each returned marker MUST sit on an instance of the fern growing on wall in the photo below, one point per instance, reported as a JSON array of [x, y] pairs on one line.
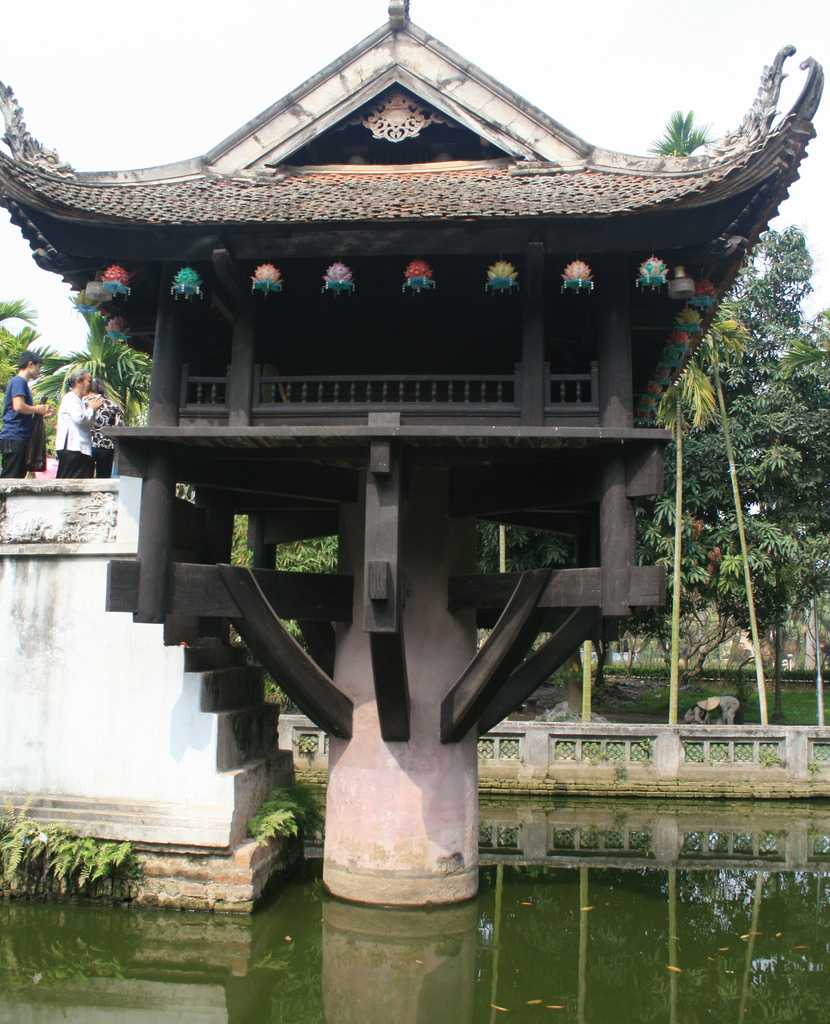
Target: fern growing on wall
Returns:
[[288, 811], [37, 858]]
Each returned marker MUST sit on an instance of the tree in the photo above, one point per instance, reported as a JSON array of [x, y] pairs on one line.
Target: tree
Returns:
[[681, 136], [124, 370], [12, 344]]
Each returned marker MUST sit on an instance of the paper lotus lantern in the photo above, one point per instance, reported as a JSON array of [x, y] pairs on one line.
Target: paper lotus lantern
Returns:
[[577, 277], [266, 279], [704, 297], [688, 321], [117, 329], [502, 277], [338, 280], [418, 277], [85, 303], [653, 273], [116, 280], [187, 284]]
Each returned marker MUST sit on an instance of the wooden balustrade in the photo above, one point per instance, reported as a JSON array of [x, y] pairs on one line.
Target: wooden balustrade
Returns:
[[566, 393]]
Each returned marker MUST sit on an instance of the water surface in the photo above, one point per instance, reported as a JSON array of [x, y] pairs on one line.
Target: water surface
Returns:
[[583, 910]]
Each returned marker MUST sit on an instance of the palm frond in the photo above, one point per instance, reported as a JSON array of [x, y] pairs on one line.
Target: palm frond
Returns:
[[17, 309], [681, 136]]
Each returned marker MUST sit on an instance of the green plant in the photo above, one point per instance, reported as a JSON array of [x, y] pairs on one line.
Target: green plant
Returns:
[[287, 811], [768, 758], [813, 767], [37, 856]]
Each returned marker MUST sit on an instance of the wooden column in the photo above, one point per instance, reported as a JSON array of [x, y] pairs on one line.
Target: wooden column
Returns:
[[264, 555], [158, 493], [616, 405], [532, 381], [241, 375]]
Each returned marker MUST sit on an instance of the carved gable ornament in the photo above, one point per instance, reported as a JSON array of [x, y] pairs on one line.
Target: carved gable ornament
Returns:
[[24, 147], [398, 118]]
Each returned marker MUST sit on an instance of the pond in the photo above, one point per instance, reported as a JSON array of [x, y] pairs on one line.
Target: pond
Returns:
[[588, 911]]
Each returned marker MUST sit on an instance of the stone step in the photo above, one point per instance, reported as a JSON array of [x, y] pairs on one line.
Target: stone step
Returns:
[[246, 736], [205, 656], [232, 689]]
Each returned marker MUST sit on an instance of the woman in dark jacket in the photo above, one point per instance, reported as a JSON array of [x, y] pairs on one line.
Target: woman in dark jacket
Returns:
[[109, 414]]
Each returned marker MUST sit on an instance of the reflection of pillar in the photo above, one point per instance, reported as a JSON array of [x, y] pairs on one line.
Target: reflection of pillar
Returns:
[[673, 944], [750, 943], [584, 910], [402, 817], [410, 967]]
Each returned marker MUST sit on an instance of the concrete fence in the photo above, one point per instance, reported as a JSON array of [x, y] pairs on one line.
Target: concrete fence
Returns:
[[625, 760]]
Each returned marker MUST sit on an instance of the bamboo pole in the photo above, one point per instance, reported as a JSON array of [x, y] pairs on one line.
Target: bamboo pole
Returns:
[[502, 548], [739, 515], [819, 678], [587, 652], [750, 945], [674, 678], [494, 980]]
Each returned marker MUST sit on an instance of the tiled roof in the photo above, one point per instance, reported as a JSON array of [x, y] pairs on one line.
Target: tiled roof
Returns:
[[363, 194]]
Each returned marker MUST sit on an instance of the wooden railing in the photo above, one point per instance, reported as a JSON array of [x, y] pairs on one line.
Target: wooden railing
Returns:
[[566, 394], [400, 390], [569, 390]]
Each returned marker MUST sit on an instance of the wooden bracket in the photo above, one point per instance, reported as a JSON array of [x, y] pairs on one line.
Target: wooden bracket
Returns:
[[579, 625], [496, 659], [382, 598], [305, 682]]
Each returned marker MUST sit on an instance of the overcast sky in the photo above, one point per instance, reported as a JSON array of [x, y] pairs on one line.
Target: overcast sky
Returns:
[[128, 85]]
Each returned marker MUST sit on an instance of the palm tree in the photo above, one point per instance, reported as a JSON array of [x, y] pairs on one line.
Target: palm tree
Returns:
[[11, 344], [124, 371], [809, 354], [681, 136]]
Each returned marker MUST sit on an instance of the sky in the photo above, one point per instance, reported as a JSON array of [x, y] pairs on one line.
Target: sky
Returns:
[[135, 85]]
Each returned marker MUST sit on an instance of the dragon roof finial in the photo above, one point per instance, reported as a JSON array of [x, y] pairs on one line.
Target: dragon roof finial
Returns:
[[24, 147], [398, 14]]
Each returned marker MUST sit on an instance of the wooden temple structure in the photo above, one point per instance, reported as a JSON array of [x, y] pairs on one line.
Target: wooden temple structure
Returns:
[[332, 355]]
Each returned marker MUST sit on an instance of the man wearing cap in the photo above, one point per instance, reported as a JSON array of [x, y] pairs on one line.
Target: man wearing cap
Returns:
[[18, 416]]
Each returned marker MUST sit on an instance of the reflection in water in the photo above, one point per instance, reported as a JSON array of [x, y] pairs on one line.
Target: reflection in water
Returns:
[[585, 936], [406, 966]]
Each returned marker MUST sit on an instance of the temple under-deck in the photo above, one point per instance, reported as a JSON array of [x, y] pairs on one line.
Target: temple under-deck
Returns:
[[397, 411]]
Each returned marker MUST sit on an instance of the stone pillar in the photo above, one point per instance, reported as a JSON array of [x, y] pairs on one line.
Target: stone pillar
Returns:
[[402, 966], [402, 817]]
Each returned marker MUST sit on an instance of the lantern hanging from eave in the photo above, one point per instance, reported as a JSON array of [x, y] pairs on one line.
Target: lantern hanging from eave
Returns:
[[338, 280], [688, 320], [681, 286], [267, 279], [418, 277], [117, 330], [502, 278], [84, 304], [704, 297], [653, 273], [577, 277], [187, 284], [116, 280], [96, 293]]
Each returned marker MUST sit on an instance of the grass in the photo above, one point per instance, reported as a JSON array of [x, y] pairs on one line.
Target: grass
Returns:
[[799, 705]]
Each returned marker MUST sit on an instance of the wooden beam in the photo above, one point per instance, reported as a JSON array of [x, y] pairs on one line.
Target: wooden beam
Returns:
[[284, 527], [564, 588], [645, 471], [382, 617], [580, 625], [309, 481], [495, 660], [505, 489], [241, 370], [567, 588], [311, 689], [391, 684], [532, 382], [155, 540], [199, 590], [616, 409], [230, 278]]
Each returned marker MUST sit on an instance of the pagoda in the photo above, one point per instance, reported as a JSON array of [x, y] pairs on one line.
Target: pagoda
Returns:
[[400, 301]]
